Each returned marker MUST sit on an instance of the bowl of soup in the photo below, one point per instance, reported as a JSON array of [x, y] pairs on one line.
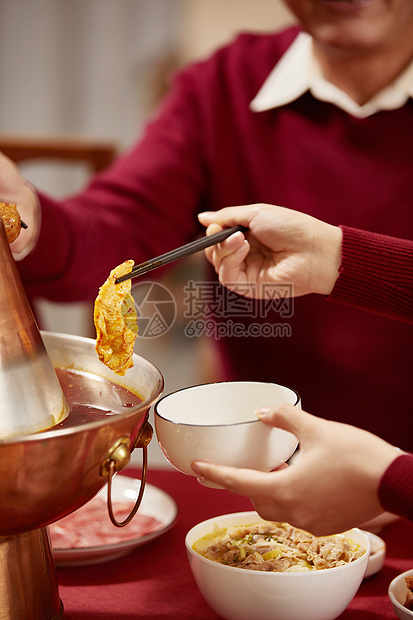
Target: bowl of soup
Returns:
[[246, 567], [401, 595]]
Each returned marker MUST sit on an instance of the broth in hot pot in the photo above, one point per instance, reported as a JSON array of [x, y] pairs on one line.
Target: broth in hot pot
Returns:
[[91, 398]]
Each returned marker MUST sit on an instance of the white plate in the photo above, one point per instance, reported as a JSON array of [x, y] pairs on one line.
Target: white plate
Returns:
[[155, 503], [377, 554]]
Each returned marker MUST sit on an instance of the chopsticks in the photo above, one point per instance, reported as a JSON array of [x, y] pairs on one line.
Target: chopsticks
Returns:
[[185, 250]]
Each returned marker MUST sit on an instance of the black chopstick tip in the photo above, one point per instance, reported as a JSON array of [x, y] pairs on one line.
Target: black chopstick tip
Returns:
[[23, 224]]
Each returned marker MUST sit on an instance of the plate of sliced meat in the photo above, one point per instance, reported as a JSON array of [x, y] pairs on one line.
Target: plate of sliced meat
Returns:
[[87, 536]]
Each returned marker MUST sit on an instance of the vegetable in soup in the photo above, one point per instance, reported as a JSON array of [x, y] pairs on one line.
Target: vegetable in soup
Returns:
[[277, 547]]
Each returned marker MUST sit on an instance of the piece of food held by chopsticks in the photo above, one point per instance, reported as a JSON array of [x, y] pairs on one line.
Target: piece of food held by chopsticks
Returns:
[[11, 221], [116, 321]]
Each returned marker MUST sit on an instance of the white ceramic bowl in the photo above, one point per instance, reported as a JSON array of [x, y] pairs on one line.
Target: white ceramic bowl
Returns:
[[216, 422], [242, 594], [397, 594]]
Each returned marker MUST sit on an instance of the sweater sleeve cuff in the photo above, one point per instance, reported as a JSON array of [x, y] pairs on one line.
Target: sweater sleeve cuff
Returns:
[[376, 273], [396, 487]]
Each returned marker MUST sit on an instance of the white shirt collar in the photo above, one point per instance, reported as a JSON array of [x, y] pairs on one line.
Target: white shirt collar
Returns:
[[299, 71]]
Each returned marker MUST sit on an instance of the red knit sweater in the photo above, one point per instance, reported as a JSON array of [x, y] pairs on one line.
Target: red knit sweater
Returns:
[[396, 487], [376, 273], [205, 149]]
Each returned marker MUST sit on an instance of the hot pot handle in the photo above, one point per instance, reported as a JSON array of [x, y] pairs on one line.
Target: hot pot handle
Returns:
[[117, 458]]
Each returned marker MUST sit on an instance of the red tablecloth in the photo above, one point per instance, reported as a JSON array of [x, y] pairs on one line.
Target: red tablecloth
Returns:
[[155, 581]]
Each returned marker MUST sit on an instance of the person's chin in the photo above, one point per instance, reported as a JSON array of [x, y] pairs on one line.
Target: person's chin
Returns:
[[346, 24]]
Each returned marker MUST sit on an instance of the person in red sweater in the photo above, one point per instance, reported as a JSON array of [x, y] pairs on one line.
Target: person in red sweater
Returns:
[[343, 476], [318, 117], [367, 270]]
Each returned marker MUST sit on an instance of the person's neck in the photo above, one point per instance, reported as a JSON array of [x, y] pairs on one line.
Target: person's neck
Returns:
[[360, 75]]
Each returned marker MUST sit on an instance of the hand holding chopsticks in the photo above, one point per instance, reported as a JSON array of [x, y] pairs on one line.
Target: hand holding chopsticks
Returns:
[[190, 248]]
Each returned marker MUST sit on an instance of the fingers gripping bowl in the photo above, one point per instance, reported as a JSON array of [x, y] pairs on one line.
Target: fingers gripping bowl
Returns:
[[241, 593], [216, 422]]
